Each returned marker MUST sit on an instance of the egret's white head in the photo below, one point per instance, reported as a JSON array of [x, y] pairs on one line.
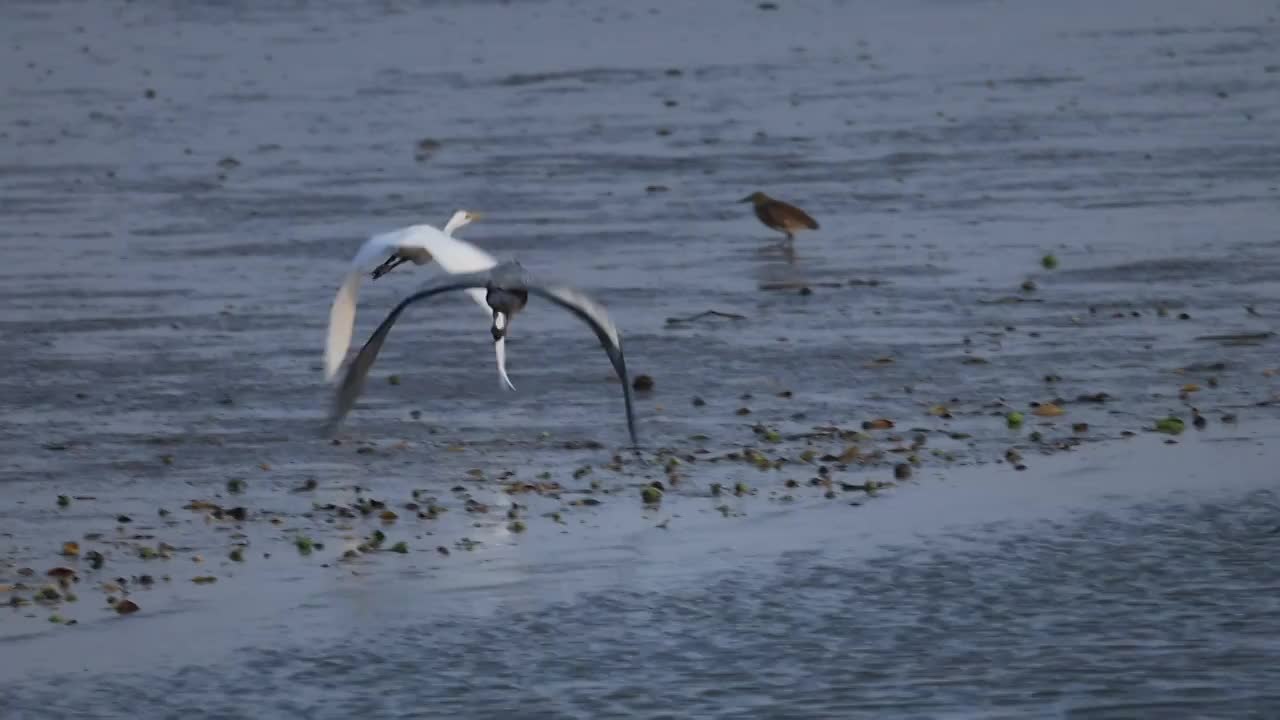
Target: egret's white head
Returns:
[[459, 219]]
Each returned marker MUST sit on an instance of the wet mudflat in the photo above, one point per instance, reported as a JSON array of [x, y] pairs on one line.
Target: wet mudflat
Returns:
[[182, 187]]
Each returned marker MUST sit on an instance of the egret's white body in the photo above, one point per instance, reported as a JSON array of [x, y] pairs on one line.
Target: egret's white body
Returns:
[[421, 244]]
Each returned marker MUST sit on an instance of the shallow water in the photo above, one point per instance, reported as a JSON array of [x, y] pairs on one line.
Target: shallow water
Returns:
[[1085, 591], [162, 309]]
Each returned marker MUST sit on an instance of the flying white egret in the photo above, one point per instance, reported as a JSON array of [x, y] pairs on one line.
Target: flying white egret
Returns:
[[506, 290], [421, 244]]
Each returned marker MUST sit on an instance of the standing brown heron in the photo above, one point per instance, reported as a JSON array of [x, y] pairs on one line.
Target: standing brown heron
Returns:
[[780, 216]]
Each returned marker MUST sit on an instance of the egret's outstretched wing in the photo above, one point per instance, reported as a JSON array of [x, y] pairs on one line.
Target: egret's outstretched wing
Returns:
[[594, 315], [353, 381], [454, 255]]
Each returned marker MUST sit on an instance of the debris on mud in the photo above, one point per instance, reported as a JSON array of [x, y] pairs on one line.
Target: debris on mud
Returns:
[[304, 544], [1047, 410], [651, 494], [126, 607]]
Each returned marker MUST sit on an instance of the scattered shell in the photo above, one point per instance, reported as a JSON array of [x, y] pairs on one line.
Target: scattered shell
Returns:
[[204, 579], [126, 607], [1048, 410], [71, 549]]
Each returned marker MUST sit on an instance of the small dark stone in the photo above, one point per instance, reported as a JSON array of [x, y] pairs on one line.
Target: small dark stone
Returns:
[[1184, 316], [698, 402], [902, 471], [123, 519], [642, 383], [1199, 421]]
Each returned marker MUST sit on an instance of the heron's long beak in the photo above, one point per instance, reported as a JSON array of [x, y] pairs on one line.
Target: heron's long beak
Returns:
[[499, 349], [499, 330]]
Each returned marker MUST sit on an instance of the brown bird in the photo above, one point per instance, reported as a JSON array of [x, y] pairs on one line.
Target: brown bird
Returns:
[[781, 216]]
